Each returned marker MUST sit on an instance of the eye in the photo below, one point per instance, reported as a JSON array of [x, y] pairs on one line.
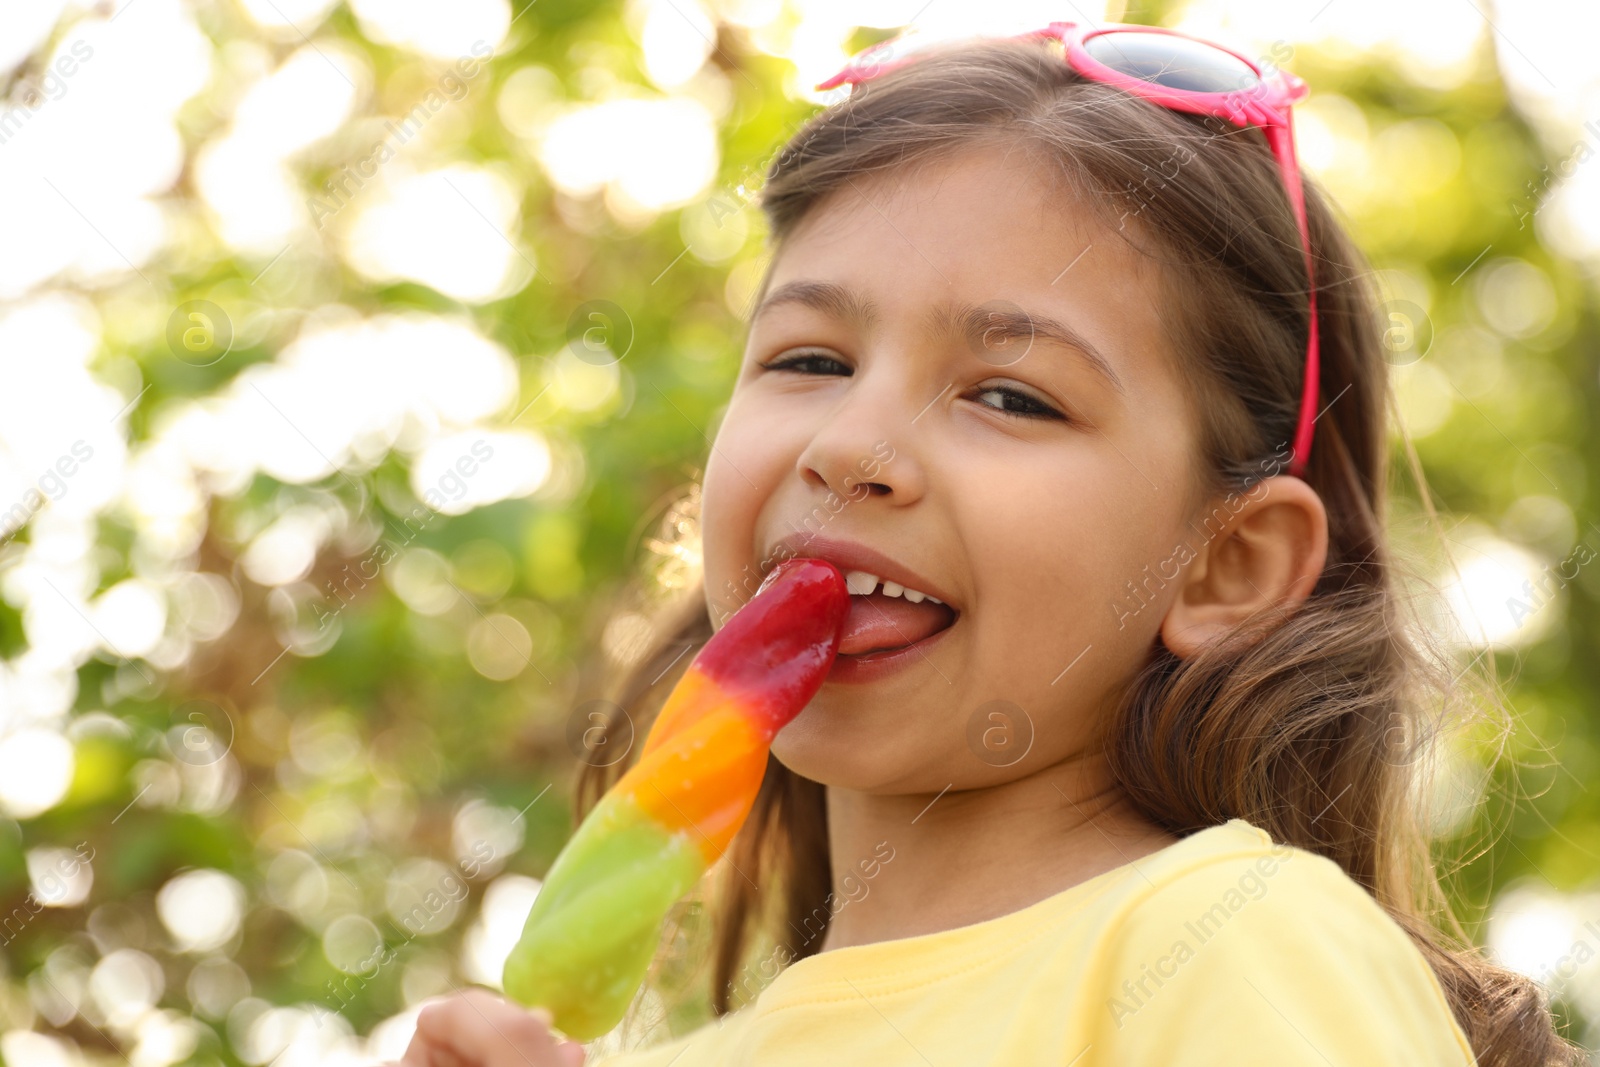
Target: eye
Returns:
[[1027, 406], [802, 361]]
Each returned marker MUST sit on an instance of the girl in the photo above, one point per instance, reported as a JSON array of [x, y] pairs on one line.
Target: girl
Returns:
[[1116, 764]]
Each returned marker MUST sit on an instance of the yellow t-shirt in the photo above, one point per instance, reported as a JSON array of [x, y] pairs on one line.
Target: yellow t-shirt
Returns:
[[1221, 949]]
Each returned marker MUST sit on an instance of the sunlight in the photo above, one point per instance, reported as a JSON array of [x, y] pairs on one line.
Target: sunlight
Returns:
[[454, 230], [35, 771], [506, 903], [1532, 929], [201, 909], [1493, 601]]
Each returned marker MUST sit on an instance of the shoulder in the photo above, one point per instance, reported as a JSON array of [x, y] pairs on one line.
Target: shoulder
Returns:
[[1231, 946]]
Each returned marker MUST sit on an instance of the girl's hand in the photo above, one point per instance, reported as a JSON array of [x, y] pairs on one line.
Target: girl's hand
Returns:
[[477, 1028]]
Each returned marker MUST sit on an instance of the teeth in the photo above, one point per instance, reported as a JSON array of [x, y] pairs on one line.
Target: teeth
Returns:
[[860, 583]]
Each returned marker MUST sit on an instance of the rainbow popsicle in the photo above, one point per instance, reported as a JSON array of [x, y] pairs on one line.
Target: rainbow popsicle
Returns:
[[597, 918]]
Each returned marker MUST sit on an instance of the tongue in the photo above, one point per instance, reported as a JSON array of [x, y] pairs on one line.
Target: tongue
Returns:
[[877, 623]]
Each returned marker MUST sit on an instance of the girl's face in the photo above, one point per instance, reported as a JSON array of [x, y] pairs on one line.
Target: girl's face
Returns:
[[960, 369]]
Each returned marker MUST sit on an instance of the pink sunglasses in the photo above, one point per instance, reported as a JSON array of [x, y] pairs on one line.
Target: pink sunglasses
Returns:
[[1183, 73]]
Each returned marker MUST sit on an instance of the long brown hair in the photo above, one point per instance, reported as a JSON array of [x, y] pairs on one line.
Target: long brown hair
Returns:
[[1311, 725]]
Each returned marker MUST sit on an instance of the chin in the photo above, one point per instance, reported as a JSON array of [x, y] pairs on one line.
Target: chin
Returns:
[[815, 745], [821, 745]]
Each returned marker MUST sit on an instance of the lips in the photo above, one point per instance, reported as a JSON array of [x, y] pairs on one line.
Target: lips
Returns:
[[883, 633], [854, 556], [870, 667]]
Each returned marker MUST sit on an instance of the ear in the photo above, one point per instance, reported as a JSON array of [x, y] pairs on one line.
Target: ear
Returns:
[[1266, 555]]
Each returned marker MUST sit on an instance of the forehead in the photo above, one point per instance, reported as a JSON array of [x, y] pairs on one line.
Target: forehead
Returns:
[[987, 224]]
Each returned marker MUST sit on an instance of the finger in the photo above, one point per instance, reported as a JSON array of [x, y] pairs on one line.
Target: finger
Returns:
[[487, 1031], [434, 1055], [429, 1051], [425, 1052], [417, 1054], [429, 1046]]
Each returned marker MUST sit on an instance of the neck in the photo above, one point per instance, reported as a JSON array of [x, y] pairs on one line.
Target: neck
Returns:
[[915, 864]]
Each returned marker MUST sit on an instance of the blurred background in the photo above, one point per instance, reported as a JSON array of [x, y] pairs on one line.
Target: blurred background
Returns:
[[353, 356]]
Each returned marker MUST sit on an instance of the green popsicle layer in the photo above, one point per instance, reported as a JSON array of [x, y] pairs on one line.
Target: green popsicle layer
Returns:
[[587, 943]]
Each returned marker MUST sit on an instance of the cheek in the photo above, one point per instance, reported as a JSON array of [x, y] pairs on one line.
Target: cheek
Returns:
[[723, 506], [738, 481], [1058, 568]]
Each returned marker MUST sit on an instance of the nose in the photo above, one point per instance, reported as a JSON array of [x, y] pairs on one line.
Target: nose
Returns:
[[862, 449]]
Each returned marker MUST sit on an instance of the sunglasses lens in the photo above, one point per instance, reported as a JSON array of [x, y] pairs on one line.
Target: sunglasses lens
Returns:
[[1171, 62]]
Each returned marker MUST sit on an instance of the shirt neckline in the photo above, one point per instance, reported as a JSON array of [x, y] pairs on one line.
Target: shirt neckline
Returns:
[[920, 954]]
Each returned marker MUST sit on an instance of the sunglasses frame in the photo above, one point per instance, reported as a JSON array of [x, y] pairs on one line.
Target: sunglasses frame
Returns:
[[1266, 104]]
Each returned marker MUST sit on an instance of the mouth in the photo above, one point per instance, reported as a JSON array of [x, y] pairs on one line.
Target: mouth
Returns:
[[886, 617], [896, 611], [878, 640]]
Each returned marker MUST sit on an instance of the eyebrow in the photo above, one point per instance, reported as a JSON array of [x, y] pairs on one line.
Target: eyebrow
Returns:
[[1001, 320]]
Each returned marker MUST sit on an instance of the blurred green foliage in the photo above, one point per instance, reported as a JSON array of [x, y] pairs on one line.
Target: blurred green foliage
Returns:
[[360, 758]]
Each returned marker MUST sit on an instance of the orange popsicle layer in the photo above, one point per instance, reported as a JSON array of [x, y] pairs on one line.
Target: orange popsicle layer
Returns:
[[596, 920]]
